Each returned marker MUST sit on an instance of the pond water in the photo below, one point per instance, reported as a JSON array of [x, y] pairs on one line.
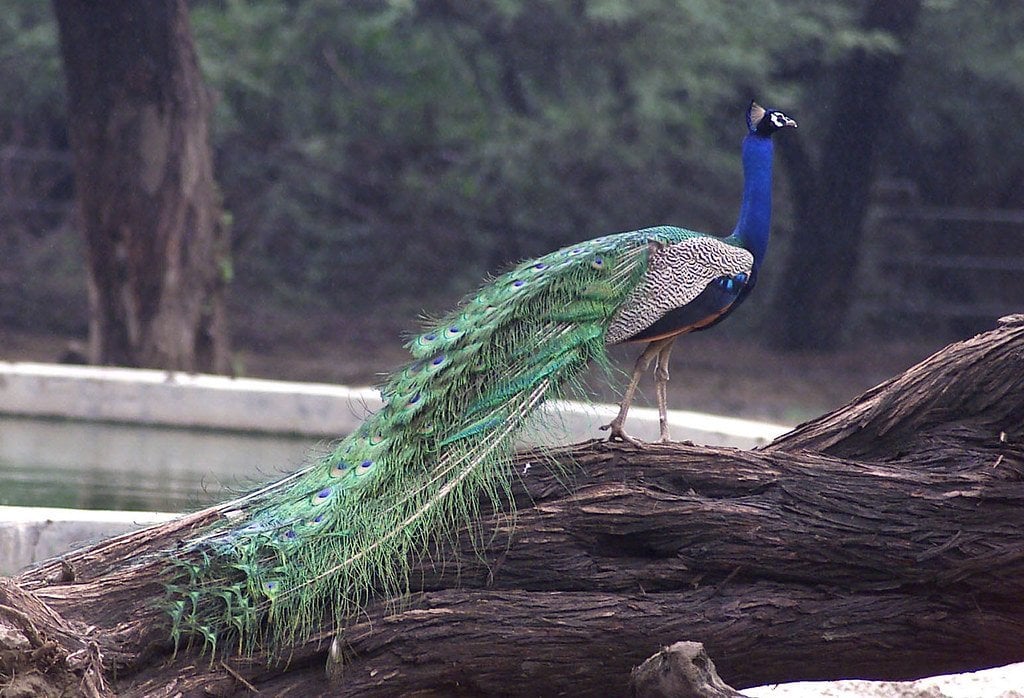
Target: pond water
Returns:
[[87, 465], [91, 465]]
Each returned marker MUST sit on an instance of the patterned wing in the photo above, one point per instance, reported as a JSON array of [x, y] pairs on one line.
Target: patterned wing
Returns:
[[677, 274]]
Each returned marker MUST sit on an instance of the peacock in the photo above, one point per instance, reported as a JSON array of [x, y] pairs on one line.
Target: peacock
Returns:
[[325, 541]]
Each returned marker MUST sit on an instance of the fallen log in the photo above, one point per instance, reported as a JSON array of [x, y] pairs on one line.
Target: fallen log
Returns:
[[884, 540]]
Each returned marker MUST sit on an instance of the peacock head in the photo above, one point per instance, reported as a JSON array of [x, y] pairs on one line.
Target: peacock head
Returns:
[[765, 122]]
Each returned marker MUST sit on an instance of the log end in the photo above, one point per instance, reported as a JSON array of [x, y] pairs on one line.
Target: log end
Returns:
[[682, 670]]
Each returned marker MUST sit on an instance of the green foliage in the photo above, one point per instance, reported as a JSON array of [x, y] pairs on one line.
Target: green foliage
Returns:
[[409, 147], [963, 88], [382, 153], [31, 88], [41, 266]]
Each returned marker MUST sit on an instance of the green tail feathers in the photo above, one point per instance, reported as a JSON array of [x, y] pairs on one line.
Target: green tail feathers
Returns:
[[322, 543]]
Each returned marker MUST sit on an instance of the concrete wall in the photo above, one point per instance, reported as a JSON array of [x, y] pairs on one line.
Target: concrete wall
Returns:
[[33, 534], [140, 396]]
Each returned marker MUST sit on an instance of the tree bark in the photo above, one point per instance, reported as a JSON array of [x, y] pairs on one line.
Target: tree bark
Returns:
[[884, 540], [830, 197], [138, 122]]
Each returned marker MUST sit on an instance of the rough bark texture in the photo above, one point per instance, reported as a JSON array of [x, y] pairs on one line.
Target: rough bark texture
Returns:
[[148, 207], [884, 540]]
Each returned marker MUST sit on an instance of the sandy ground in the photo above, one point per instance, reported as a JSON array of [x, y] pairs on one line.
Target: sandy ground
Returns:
[[1003, 682]]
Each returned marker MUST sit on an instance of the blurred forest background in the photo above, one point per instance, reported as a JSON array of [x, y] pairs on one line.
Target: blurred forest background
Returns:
[[377, 159]]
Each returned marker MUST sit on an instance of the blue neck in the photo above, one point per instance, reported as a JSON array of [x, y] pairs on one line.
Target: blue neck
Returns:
[[756, 211]]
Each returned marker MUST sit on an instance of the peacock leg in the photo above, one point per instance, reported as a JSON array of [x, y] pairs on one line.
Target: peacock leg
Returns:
[[661, 387], [643, 362]]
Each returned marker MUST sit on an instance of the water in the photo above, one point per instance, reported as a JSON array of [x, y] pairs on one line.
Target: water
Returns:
[[90, 465], [86, 465]]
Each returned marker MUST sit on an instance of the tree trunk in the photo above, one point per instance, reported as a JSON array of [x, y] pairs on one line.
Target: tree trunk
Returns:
[[884, 540], [831, 197], [138, 121]]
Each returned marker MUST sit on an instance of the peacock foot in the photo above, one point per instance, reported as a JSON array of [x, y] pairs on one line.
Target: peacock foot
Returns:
[[616, 434]]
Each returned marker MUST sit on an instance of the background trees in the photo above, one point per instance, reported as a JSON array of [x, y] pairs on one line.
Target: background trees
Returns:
[[156, 250], [378, 158], [831, 196]]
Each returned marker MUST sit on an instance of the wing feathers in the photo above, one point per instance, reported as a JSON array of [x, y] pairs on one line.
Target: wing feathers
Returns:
[[676, 274]]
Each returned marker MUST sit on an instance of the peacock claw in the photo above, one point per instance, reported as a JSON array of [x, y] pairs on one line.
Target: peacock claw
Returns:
[[618, 435]]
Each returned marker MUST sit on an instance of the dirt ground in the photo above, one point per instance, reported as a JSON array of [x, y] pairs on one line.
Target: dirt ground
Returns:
[[713, 373]]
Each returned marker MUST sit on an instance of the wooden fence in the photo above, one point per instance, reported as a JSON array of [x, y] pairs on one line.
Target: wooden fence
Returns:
[[938, 272]]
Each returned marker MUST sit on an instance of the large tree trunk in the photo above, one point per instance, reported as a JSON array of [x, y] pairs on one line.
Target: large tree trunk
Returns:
[[138, 116], [884, 540], [830, 196]]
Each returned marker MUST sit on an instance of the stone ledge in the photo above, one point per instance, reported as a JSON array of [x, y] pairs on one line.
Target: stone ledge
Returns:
[[168, 398], [33, 534]]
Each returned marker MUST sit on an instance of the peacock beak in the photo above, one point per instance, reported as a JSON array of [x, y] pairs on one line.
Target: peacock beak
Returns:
[[789, 122]]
